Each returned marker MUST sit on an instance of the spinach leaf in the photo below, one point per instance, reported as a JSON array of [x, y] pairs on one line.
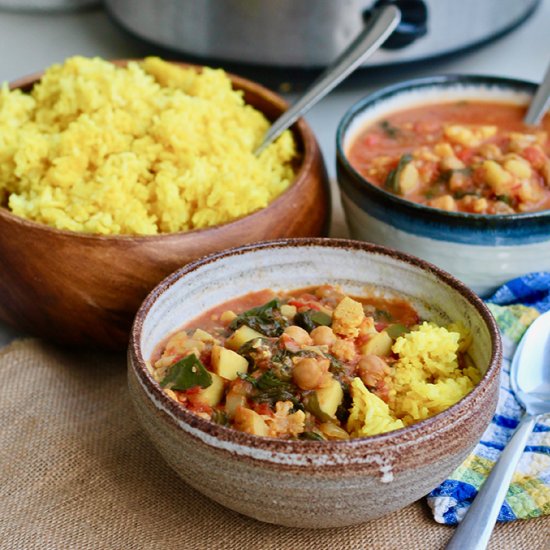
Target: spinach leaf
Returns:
[[392, 181], [266, 319], [311, 319], [187, 373], [505, 199], [257, 352], [269, 388], [389, 129]]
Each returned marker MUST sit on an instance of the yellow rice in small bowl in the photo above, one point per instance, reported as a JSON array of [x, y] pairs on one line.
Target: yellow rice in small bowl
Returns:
[[145, 149]]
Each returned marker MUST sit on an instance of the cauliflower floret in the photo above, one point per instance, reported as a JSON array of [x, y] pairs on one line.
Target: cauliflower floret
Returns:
[[347, 317], [285, 423]]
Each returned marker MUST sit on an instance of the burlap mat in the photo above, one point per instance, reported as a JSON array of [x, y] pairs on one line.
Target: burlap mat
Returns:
[[76, 471]]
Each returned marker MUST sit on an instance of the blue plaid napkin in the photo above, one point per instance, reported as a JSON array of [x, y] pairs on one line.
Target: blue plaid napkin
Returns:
[[515, 305]]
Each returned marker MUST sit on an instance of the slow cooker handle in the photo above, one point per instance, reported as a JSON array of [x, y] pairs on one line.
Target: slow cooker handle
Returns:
[[413, 25]]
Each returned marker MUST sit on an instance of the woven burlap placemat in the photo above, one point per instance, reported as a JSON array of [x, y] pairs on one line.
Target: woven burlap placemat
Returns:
[[77, 471]]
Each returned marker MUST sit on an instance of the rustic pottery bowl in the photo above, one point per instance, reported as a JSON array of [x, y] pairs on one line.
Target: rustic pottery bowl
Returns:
[[311, 483], [83, 289], [481, 250]]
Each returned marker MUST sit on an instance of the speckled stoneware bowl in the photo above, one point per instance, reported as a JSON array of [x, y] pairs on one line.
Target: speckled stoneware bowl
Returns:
[[481, 250], [312, 483]]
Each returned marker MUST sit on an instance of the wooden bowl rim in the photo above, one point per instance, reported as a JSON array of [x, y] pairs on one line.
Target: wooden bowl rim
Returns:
[[300, 128]]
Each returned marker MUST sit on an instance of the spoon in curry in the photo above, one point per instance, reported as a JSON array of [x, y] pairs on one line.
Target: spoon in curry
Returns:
[[379, 27], [540, 100], [530, 381]]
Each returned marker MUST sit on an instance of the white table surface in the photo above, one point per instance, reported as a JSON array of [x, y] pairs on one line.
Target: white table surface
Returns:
[[30, 42]]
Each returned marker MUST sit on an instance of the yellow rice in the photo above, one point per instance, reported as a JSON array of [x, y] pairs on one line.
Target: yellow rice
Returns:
[[148, 149], [425, 380]]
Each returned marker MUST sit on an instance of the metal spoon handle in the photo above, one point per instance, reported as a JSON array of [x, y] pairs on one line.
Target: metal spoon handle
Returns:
[[475, 529], [539, 103], [379, 27]]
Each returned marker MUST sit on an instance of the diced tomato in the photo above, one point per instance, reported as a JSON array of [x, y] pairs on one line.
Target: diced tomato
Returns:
[[193, 391], [262, 408], [535, 157], [465, 155], [380, 326], [197, 406]]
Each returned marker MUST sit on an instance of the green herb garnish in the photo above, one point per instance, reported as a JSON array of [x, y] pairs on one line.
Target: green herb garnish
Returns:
[[311, 436], [505, 199], [269, 388], [311, 319], [187, 373], [392, 181], [266, 319], [220, 417], [382, 315], [396, 330], [389, 129]]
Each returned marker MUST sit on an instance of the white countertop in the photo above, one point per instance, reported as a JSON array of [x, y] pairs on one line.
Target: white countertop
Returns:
[[29, 42]]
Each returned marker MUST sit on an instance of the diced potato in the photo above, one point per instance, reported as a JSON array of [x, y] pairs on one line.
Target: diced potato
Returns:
[[529, 192], [241, 336], [408, 178], [490, 151], [469, 137], [450, 162], [445, 202], [227, 363], [234, 400], [498, 178], [461, 135], [518, 167], [329, 398], [379, 344], [175, 343], [443, 150], [227, 316], [480, 205], [202, 336], [249, 421], [288, 311], [213, 394]]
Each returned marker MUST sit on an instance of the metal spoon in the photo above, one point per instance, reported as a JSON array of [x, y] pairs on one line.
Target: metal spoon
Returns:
[[539, 103], [530, 380], [379, 27]]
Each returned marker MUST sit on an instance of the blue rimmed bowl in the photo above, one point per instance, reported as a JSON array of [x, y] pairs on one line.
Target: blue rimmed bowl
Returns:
[[482, 250]]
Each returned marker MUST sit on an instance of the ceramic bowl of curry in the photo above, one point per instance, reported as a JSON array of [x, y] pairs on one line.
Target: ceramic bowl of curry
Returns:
[[444, 168], [263, 463]]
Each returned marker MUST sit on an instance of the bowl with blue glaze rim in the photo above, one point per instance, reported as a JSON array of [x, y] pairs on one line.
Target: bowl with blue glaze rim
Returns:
[[312, 483], [482, 250]]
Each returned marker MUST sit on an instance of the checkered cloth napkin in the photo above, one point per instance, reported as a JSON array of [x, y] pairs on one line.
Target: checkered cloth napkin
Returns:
[[515, 306]]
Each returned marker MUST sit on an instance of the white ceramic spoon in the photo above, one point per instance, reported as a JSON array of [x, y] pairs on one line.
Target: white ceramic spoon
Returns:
[[530, 380]]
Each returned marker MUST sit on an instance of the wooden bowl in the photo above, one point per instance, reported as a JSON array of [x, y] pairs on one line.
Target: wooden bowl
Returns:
[[312, 483], [84, 290]]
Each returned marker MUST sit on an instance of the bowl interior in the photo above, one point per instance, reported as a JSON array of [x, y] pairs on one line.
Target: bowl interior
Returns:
[[360, 268], [424, 92]]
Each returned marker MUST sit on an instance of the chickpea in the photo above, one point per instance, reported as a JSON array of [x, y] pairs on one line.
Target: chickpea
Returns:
[[372, 370], [307, 373], [299, 335], [323, 336]]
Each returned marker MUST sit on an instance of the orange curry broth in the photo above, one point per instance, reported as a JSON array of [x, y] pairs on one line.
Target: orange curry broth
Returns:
[[384, 312], [465, 177]]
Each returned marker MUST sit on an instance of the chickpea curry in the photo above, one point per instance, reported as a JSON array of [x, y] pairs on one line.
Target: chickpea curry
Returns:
[[466, 156], [311, 364]]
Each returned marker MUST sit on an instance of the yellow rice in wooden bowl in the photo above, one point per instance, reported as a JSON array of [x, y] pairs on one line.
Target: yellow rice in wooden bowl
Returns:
[[115, 174], [146, 149]]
